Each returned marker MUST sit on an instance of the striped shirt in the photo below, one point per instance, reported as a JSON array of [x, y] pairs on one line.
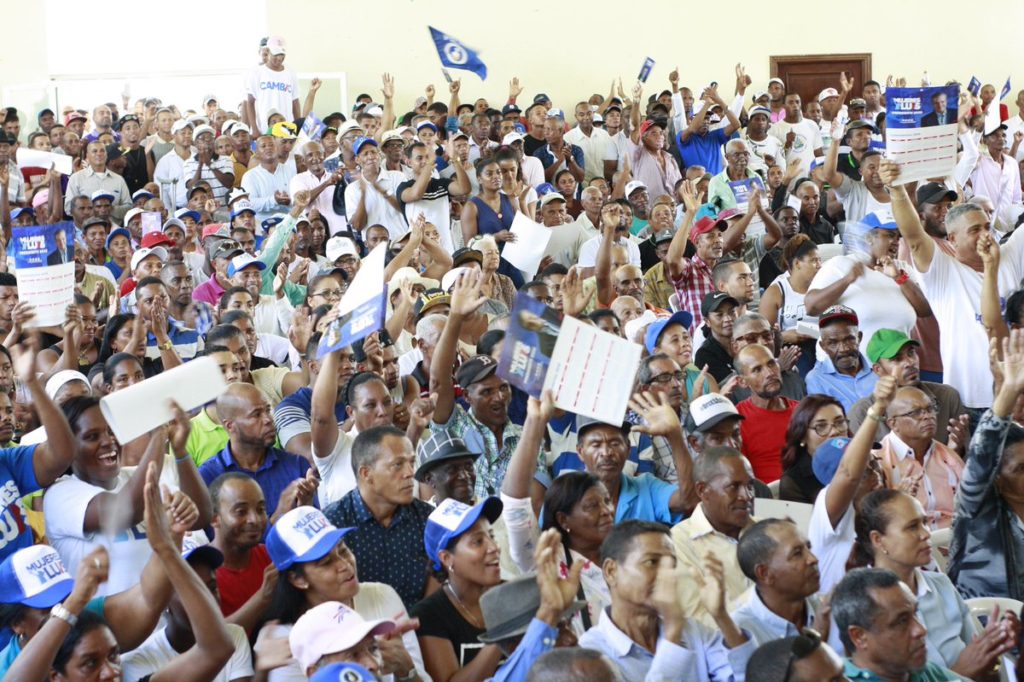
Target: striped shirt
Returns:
[[221, 163]]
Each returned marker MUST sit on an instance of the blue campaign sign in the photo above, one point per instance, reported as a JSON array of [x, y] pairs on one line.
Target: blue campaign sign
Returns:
[[366, 318], [741, 189], [38, 246], [921, 107], [645, 70], [526, 354]]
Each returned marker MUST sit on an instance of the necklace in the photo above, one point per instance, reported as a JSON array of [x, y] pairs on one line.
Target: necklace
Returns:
[[462, 608]]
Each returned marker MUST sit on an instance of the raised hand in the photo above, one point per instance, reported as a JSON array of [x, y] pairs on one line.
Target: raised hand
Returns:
[[466, 295], [271, 651], [1012, 365], [301, 329], [158, 526], [542, 408], [712, 585], [454, 86], [988, 251], [92, 572], [574, 301], [661, 418], [638, 90], [959, 432], [788, 357], [388, 90], [887, 266], [556, 593], [845, 82], [422, 411], [691, 197], [889, 172], [280, 275], [514, 88], [665, 597], [885, 389], [673, 78]]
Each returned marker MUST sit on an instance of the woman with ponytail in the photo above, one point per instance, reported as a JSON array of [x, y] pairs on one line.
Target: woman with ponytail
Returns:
[[783, 299]]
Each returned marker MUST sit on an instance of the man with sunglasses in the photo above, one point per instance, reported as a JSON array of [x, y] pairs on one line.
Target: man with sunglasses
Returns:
[[803, 658], [893, 352]]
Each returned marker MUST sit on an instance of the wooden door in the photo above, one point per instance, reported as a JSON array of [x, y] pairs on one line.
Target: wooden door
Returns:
[[810, 74]]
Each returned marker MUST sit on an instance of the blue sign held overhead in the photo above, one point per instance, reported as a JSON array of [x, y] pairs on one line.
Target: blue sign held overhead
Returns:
[[455, 54], [974, 87], [645, 70]]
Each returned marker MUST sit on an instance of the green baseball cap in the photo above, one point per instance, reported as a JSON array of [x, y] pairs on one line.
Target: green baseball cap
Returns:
[[887, 343]]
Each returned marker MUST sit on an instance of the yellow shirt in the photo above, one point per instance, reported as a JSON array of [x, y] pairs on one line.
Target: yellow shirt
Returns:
[[270, 380], [206, 438], [694, 539], [657, 288]]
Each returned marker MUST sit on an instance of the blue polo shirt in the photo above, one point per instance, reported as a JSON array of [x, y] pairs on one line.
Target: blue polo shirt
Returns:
[[825, 379], [703, 150], [547, 157], [18, 478], [278, 470], [645, 498]]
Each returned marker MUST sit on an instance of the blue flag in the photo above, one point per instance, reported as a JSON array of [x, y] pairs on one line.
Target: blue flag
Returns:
[[974, 87], [455, 55], [1006, 89], [313, 127]]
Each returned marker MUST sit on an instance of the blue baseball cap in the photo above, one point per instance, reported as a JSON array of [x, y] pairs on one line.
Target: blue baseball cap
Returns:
[[35, 577], [274, 220], [302, 535], [826, 458], [655, 329], [450, 520], [362, 141], [545, 188], [195, 546], [19, 211], [188, 212], [343, 672], [243, 261], [119, 231], [240, 207], [880, 220]]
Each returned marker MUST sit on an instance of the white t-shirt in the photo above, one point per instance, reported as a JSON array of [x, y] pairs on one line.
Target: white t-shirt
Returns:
[[831, 545], [336, 476], [379, 210], [808, 138], [954, 292], [588, 252], [769, 146], [170, 171], [857, 200], [156, 652], [64, 506], [272, 90], [373, 601], [324, 202], [1013, 124], [875, 296]]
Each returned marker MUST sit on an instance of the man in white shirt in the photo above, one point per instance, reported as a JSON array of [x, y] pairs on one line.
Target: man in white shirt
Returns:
[[593, 141], [321, 185], [1014, 125], [370, 200], [618, 141], [205, 165], [479, 137], [800, 137], [267, 183], [271, 86], [170, 170], [765, 149], [94, 177]]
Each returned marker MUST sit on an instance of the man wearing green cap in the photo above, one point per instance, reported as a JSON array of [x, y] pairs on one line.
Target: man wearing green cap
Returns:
[[892, 351]]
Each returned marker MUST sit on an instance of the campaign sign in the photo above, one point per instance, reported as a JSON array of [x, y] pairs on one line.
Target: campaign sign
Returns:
[[645, 70], [921, 131], [529, 343], [741, 189], [361, 309], [921, 107], [44, 260]]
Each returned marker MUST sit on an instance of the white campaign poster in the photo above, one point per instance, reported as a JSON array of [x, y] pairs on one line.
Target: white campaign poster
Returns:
[[921, 131], [45, 268], [591, 372]]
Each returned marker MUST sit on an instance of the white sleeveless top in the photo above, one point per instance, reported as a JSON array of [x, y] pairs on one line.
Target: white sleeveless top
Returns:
[[792, 310]]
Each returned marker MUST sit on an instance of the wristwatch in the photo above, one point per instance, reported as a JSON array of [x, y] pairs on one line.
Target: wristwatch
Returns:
[[166, 345], [59, 611], [411, 675]]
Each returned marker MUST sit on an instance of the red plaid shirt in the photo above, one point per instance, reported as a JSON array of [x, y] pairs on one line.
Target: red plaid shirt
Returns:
[[692, 285]]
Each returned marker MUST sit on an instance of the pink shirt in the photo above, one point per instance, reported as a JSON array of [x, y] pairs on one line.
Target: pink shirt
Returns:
[[647, 168], [942, 468], [208, 292]]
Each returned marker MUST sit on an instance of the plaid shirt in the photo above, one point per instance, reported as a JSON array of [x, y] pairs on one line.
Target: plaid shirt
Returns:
[[693, 284], [492, 464]]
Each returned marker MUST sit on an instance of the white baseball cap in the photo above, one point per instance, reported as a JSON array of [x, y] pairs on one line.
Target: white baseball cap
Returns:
[[203, 129], [634, 186], [158, 251], [275, 44], [708, 410], [511, 137], [180, 124], [329, 628], [339, 246]]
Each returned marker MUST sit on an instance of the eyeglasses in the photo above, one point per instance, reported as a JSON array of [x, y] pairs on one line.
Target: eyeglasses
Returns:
[[668, 377], [919, 413], [805, 644], [329, 293], [825, 428]]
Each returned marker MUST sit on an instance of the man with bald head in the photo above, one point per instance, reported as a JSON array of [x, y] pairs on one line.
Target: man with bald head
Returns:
[[320, 184], [246, 414], [103, 120], [628, 280], [754, 328], [574, 664], [912, 460], [767, 412], [626, 308]]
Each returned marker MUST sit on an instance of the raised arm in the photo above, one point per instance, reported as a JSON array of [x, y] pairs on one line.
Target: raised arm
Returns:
[[634, 113], [735, 234], [662, 420], [52, 458], [323, 422], [855, 459], [734, 123], [922, 248], [518, 479], [674, 261], [832, 174], [189, 480], [214, 646], [991, 308], [466, 300], [697, 121], [412, 244], [387, 121], [307, 104]]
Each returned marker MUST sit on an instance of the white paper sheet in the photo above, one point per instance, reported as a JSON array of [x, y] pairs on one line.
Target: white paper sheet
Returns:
[[922, 153], [591, 371], [527, 251], [138, 409], [35, 158]]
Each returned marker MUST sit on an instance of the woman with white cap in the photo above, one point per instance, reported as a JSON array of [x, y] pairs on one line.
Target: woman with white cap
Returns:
[[460, 545], [317, 567]]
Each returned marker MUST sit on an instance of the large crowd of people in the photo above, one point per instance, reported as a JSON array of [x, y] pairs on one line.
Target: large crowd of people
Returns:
[[396, 509]]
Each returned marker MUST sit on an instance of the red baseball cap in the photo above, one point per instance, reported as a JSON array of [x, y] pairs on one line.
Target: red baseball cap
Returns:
[[703, 226], [214, 230], [155, 239], [647, 125]]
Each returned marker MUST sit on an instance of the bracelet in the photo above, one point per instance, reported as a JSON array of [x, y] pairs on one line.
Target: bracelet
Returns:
[[184, 458], [902, 278], [877, 418], [58, 611], [411, 675]]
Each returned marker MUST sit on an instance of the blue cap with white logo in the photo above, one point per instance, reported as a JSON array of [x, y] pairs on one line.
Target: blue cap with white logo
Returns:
[[35, 577], [450, 520], [302, 535]]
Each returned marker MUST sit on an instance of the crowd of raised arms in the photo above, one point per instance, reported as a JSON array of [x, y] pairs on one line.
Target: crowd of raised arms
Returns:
[[820, 475]]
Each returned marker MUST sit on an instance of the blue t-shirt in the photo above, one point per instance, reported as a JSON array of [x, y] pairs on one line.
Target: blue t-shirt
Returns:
[[645, 498], [19, 477], [278, 470], [703, 150]]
